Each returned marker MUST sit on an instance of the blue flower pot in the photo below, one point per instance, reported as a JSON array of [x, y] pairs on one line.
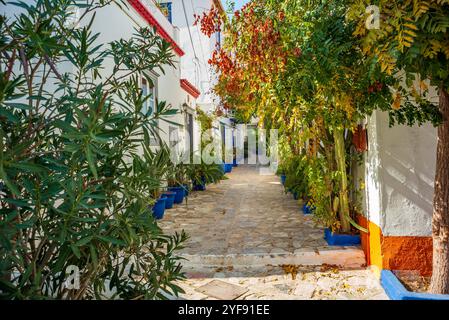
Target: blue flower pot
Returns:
[[235, 164], [283, 179], [307, 209], [199, 186], [159, 208], [170, 199], [223, 167], [179, 197], [228, 167], [334, 239]]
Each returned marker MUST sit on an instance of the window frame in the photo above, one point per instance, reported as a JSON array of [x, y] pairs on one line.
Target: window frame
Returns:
[[147, 90]]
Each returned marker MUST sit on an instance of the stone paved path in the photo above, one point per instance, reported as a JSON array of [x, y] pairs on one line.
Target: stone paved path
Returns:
[[244, 229], [279, 283]]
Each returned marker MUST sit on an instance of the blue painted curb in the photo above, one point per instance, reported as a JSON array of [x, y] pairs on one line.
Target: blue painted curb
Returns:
[[334, 239], [396, 290]]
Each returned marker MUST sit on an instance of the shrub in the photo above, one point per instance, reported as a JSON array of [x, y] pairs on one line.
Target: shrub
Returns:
[[74, 189]]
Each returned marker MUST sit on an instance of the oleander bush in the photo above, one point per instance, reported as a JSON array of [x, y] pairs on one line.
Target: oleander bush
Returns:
[[76, 188]]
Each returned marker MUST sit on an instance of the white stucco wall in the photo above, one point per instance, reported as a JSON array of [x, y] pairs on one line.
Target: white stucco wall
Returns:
[[113, 24], [373, 192], [400, 171], [198, 48]]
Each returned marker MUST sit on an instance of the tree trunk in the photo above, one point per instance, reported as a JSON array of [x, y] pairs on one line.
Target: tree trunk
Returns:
[[440, 278], [340, 155]]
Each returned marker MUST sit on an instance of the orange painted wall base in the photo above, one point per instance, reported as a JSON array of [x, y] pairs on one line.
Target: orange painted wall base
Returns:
[[396, 253]]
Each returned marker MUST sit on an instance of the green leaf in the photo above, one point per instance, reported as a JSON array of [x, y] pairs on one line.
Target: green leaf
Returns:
[[29, 167], [93, 254], [21, 106], [90, 159], [75, 251], [9, 115], [117, 242], [83, 241], [16, 202]]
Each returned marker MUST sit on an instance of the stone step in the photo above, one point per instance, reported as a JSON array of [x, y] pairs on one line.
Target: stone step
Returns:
[[345, 258]]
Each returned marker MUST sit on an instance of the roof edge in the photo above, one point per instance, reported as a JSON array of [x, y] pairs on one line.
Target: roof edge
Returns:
[[147, 16], [190, 88]]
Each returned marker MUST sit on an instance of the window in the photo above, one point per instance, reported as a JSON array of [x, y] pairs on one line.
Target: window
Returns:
[[149, 90], [166, 10]]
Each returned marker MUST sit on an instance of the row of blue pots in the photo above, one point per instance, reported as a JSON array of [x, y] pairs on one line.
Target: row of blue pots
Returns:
[[331, 238], [306, 208], [174, 195]]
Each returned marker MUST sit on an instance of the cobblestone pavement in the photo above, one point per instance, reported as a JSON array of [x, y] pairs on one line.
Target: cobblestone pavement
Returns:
[[247, 214], [289, 283], [246, 227]]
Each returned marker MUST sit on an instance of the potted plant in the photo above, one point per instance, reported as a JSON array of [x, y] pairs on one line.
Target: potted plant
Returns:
[[178, 182], [159, 203], [159, 208], [183, 178], [202, 174], [199, 184], [153, 166], [295, 179], [228, 167], [281, 173], [179, 193]]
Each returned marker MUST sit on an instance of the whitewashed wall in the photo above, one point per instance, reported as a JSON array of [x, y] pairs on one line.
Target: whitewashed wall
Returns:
[[198, 48], [400, 171], [114, 24]]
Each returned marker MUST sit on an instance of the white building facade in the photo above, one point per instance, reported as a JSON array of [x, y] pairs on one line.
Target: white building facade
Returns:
[[114, 23], [198, 50]]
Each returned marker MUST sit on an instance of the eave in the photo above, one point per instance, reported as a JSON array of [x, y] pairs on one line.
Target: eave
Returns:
[[147, 16]]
